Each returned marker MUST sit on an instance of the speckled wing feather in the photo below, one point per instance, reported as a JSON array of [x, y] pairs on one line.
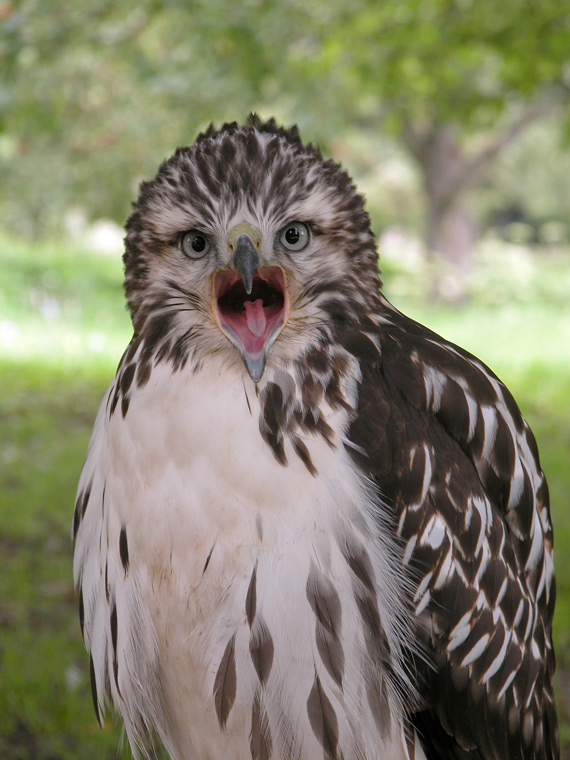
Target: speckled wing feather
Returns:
[[327, 555], [446, 444]]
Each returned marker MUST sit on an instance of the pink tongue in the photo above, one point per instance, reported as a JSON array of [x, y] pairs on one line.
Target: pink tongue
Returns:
[[255, 316]]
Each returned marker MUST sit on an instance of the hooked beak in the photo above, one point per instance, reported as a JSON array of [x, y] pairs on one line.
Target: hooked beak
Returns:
[[250, 303], [245, 260]]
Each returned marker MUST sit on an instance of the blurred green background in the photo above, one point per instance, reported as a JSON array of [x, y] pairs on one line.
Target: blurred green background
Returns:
[[452, 115]]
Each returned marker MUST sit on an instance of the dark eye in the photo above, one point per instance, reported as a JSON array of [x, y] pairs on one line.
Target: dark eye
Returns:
[[195, 244], [295, 236]]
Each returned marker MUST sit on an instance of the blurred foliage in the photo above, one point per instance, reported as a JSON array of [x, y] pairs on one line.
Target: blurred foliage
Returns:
[[531, 184], [94, 95], [46, 711]]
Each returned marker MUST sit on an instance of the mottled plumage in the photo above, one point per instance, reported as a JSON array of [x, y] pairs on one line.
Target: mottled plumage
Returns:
[[307, 526]]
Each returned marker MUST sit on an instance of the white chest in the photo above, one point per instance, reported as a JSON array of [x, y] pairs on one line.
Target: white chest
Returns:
[[201, 483], [223, 540]]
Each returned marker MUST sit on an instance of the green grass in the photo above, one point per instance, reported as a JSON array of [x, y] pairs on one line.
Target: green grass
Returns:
[[62, 331]]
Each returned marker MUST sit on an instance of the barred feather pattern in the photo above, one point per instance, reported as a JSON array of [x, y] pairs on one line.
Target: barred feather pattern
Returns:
[[472, 507], [351, 558]]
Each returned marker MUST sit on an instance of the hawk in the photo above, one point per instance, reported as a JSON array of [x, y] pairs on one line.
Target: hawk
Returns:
[[307, 526]]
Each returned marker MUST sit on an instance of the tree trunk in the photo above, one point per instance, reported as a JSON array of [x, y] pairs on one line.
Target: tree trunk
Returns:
[[450, 172], [451, 232], [451, 236]]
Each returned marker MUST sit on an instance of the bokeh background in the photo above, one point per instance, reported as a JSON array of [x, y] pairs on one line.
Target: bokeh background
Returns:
[[452, 115]]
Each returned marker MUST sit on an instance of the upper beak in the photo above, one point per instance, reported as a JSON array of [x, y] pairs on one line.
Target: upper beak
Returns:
[[245, 259]]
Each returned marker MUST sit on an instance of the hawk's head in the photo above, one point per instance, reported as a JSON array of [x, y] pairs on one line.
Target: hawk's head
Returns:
[[247, 244]]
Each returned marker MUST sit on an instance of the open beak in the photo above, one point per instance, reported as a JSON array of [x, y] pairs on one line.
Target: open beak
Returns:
[[250, 305]]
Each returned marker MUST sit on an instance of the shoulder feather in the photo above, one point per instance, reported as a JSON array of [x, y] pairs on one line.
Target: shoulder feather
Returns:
[[450, 451]]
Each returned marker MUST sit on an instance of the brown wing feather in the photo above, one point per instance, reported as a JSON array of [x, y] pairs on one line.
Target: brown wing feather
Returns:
[[450, 451]]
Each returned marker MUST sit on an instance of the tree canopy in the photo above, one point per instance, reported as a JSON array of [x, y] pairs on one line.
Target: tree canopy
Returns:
[[94, 95]]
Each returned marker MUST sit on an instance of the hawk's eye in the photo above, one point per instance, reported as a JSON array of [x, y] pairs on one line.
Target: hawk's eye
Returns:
[[295, 236], [195, 244]]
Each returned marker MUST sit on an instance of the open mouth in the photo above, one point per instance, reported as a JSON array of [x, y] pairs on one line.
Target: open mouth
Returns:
[[251, 321]]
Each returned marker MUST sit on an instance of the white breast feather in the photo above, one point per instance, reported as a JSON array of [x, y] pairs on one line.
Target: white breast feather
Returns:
[[191, 479]]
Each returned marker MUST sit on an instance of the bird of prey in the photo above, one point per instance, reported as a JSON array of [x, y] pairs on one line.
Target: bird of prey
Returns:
[[307, 526]]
